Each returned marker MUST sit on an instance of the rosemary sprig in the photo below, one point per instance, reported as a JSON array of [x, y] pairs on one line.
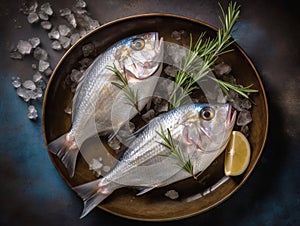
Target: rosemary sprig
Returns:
[[243, 91], [176, 152], [203, 55], [131, 95]]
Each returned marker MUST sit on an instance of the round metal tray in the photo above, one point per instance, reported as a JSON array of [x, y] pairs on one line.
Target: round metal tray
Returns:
[[195, 196]]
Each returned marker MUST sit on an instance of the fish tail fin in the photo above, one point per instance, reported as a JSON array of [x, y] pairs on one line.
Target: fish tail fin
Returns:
[[92, 194], [66, 150]]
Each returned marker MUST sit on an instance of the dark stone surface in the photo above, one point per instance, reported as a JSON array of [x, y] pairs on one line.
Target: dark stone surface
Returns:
[[33, 193]]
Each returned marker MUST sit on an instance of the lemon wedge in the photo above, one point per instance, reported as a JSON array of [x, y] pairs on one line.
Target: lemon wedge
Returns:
[[237, 154]]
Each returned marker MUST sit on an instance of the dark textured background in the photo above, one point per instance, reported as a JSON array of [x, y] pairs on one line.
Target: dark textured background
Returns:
[[33, 193]]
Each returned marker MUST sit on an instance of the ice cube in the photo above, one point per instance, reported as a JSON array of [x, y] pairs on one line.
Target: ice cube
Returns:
[[43, 16], [46, 7], [37, 76], [24, 47], [56, 45], [64, 30], [23, 93], [88, 49], [245, 104], [28, 84], [178, 35], [32, 112], [54, 34], [32, 18], [16, 82], [170, 71], [28, 7], [74, 38], [80, 4], [75, 75], [35, 42], [48, 71], [244, 118], [245, 130], [40, 54], [71, 19], [161, 107], [148, 115], [65, 42], [114, 144], [65, 12], [172, 194], [16, 55], [106, 169], [222, 69], [46, 25], [43, 65]]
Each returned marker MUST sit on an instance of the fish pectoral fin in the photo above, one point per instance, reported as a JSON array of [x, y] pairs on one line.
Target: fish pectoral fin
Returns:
[[145, 190]]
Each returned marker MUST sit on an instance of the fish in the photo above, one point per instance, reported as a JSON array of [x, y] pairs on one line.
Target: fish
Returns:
[[138, 58], [201, 130]]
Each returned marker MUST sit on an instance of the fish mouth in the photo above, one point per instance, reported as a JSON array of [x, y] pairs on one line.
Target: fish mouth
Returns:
[[231, 116]]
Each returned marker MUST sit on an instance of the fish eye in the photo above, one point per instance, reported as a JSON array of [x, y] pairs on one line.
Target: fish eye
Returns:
[[138, 44], [207, 113]]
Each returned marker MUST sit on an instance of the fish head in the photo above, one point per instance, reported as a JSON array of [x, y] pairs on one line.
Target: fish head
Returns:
[[210, 126], [141, 55]]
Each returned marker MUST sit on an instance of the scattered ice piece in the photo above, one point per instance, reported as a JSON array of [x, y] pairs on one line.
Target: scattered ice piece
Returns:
[[71, 19], [43, 16], [222, 69], [245, 130], [54, 34], [74, 38], [32, 18], [64, 30], [24, 47], [148, 115], [40, 84], [245, 104], [170, 70], [43, 65], [23, 93], [106, 169], [178, 35], [162, 106], [82, 32], [16, 55], [75, 75], [87, 22], [32, 112], [35, 94], [28, 84], [56, 45], [65, 42], [16, 82], [65, 12], [35, 42], [68, 110], [88, 49], [46, 7], [37, 76], [172, 194], [244, 118], [176, 54], [95, 164], [40, 54], [114, 143], [85, 63], [80, 4], [33, 66], [48, 71], [46, 25]]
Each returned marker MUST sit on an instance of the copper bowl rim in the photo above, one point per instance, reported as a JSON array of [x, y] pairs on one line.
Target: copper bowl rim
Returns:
[[111, 23]]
